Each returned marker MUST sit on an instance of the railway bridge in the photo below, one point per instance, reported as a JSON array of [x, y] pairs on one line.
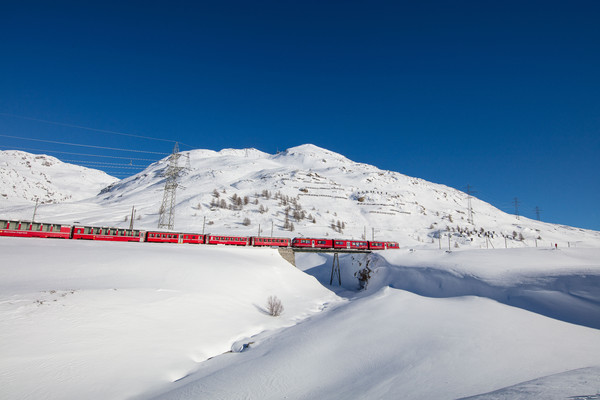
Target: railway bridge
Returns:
[[289, 254]]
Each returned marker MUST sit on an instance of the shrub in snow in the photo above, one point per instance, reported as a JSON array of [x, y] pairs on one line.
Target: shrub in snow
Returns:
[[274, 306], [364, 274]]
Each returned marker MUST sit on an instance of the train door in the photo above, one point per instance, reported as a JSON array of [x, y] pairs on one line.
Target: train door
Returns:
[[312, 243], [180, 238]]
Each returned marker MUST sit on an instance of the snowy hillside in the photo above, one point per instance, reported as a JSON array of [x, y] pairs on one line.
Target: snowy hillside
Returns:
[[25, 177], [309, 191], [99, 320]]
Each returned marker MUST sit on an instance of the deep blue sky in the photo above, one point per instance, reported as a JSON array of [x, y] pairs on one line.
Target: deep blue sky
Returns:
[[503, 95]]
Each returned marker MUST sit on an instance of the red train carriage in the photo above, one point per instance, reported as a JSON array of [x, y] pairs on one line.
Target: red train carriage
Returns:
[[34, 229], [109, 234], [377, 245], [233, 240], [312, 243], [383, 245], [270, 241], [350, 244], [170, 237]]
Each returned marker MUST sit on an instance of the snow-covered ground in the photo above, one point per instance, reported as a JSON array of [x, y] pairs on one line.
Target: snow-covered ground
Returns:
[[129, 320]]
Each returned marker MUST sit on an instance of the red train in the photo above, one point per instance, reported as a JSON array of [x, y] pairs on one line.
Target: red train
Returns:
[[44, 230]]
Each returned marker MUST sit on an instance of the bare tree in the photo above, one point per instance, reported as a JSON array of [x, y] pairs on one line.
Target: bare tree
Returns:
[[274, 306]]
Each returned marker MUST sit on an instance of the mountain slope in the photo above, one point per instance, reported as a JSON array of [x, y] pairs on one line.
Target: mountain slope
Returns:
[[310, 191], [25, 177]]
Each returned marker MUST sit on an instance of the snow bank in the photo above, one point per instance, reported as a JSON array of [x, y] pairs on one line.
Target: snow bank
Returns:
[[127, 320], [388, 343], [111, 320], [396, 344]]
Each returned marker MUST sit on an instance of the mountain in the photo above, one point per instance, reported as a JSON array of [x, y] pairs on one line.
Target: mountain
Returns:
[[307, 191], [25, 177]]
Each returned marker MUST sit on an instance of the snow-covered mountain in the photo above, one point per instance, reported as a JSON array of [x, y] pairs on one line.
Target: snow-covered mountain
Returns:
[[308, 191], [25, 177]]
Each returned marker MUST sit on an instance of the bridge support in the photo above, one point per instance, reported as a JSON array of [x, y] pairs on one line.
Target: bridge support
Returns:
[[335, 269], [288, 254]]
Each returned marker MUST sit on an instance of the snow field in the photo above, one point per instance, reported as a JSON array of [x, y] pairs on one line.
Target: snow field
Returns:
[[101, 320], [395, 344], [111, 320]]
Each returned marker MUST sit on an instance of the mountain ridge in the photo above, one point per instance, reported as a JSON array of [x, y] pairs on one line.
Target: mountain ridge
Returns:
[[309, 191]]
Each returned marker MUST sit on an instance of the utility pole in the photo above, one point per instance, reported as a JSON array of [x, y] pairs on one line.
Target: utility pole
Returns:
[[440, 239], [271, 228], [373, 234], [166, 217], [258, 230], [203, 224], [35, 209], [449, 241], [132, 215], [516, 201]]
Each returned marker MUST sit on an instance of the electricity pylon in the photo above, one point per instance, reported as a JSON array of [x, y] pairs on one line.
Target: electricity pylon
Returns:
[[166, 218], [469, 197]]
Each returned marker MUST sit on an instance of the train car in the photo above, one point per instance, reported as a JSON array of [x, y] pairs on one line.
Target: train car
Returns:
[[383, 245], [231, 240], [350, 244], [34, 229], [377, 245], [312, 243], [108, 234], [270, 241], [170, 237]]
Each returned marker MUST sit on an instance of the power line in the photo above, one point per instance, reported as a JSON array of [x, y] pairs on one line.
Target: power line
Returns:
[[103, 164], [76, 154], [83, 145], [92, 129], [86, 128]]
